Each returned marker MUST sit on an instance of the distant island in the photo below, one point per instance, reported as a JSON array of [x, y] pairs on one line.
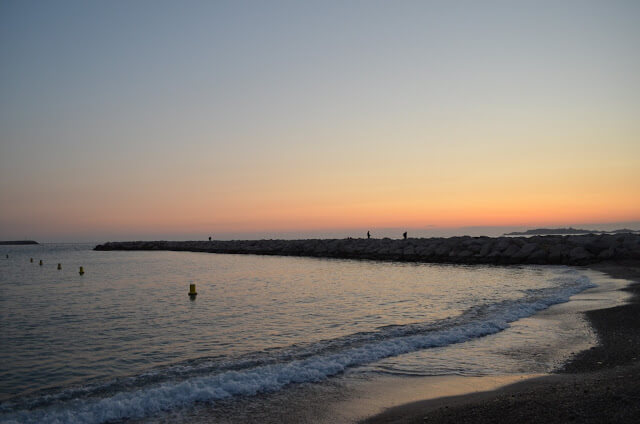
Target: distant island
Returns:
[[18, 242], [563, 231]]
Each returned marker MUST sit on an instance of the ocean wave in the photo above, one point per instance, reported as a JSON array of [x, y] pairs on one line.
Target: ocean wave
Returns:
[[209, 381]]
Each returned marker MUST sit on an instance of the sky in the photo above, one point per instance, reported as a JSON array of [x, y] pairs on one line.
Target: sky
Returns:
[[150, 119]]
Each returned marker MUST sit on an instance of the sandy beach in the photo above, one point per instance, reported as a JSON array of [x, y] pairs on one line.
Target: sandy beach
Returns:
[[599, 385]]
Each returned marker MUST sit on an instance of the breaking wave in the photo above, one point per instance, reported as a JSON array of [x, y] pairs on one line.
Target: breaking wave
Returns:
[[215, 379]]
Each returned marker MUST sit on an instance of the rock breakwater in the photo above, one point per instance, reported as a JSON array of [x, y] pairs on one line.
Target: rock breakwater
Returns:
[[545, 250]]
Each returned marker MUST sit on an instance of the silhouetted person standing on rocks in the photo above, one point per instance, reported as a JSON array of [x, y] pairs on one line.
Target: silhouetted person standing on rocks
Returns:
[[209, 238], [404, 235], [368, 235]]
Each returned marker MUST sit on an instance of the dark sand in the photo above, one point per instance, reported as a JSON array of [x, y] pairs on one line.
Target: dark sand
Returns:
[[600, 385]]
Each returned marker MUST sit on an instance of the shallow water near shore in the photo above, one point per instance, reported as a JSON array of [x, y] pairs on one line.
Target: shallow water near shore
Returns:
[[125, 342]]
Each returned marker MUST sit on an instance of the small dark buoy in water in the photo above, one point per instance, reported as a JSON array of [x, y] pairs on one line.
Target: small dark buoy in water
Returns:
[[31, 260], [192, 291], [40, 262], [81, 272], [59, 266]]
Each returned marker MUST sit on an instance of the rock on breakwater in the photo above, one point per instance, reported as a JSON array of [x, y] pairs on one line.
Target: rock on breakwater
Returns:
[[545, 250]]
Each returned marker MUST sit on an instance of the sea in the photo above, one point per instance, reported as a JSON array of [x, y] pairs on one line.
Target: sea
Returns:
[[267, 338]]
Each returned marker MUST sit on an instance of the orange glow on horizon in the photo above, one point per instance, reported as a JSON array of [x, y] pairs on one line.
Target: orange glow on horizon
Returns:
[[281, 125], [354, 216]]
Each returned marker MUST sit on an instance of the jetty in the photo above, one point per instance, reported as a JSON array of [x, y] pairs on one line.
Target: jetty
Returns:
[[544, 250]]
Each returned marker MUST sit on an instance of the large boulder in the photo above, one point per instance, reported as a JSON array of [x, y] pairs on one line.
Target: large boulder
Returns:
[[607, 253], [525, 251], [511, 250], [486, 248], [443, 250], [502, 245], [465, 253], [579, 255], [538, 256], [556, 254]]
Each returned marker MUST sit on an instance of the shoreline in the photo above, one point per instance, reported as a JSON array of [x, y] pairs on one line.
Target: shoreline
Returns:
[[539, 250], [601, 384], [352, 398]]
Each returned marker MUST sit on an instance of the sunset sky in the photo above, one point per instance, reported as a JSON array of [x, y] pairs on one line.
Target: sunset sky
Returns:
[[152, 119]]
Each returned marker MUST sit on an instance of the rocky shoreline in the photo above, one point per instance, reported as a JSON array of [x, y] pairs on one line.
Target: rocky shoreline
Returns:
[[544, 250]]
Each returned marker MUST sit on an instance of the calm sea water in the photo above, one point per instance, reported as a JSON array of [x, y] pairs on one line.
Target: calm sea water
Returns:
[[124, 341]]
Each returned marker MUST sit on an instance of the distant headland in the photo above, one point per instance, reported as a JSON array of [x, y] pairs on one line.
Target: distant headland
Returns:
[[567, 231], [18, 242], [545, 250]]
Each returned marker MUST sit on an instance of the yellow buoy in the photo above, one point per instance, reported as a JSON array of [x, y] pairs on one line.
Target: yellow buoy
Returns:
[[59, 266], [192, 291], [81, 272], [40, 262]]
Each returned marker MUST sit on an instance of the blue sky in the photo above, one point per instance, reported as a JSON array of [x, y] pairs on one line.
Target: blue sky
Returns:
[[155, 118]]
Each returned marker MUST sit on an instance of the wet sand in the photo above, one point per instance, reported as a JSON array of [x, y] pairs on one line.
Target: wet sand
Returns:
[[599, 385]]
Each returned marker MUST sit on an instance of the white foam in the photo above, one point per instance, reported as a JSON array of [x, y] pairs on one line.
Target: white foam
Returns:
[[267, 378]]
